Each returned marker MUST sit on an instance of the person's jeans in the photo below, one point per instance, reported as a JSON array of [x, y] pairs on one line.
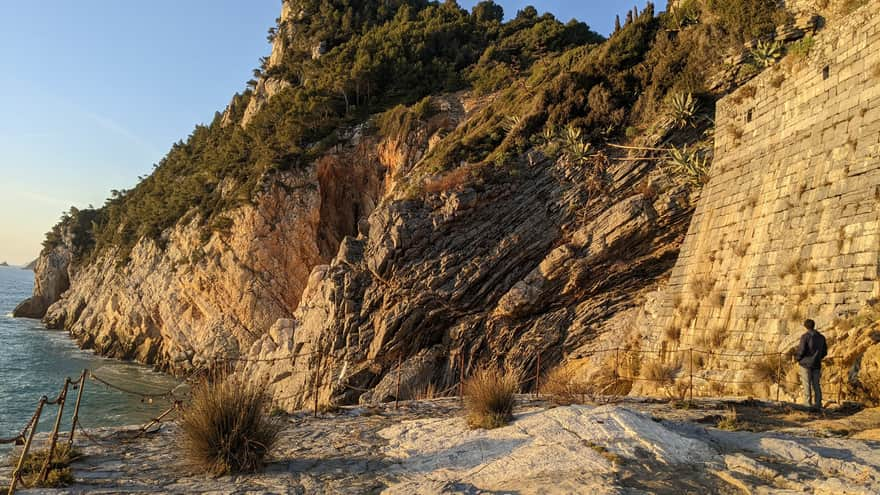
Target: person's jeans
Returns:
[[812, 389]]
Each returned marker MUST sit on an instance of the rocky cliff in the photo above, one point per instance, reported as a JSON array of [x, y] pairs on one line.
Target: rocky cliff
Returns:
[[195, 299], [51, 279], [524, 224]]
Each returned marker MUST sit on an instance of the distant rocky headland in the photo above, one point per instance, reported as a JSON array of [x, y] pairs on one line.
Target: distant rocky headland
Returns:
[[3, 263]]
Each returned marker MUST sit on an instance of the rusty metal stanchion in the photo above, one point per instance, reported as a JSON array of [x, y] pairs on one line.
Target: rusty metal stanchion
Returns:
[[461, 376], [53, 439], [317, 377], [616, 363], [397, 395], [80, 389], [538, 377], [16, 475], [691, 378], [779, 375]]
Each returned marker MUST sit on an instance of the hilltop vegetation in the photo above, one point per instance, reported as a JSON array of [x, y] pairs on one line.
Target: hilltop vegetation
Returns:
[[377, 55]]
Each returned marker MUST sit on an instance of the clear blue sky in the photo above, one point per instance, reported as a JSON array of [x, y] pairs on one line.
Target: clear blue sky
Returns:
[[95, 91]]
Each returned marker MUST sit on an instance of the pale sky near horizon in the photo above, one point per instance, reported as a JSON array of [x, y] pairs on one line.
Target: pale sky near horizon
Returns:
[[96, 91]]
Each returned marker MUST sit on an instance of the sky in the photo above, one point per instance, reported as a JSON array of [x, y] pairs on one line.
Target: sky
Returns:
[[94, 92]]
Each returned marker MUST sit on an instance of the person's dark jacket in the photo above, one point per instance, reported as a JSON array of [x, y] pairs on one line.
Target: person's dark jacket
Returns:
[[811, 350]]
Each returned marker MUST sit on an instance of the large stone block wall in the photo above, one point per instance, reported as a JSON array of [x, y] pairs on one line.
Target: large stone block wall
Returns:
[[787, 227]]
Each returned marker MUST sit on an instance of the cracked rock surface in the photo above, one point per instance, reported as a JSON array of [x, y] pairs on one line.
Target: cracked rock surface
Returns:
[[425, 447]]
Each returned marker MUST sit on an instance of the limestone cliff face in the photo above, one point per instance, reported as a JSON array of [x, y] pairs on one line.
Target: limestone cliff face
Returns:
[[194, 299], [502, 271]]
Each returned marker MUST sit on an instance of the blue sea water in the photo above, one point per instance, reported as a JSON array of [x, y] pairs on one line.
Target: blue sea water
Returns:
[[35, 361]]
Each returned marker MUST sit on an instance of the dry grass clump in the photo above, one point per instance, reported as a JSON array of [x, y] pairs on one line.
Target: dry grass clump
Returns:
[[564, 386], [673, 332], [661, 373], [228, 428], [701, 287], [729, 421], [454, 179], [59, 474], [428, 392], [489, 398], [770, 369]]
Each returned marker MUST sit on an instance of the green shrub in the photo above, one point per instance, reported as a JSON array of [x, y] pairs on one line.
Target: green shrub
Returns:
[[681, 111], [766, 53], [228, 427], [689, 166], [59, 474]]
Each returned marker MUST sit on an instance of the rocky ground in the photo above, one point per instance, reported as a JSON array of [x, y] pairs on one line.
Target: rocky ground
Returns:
[[633, 446]]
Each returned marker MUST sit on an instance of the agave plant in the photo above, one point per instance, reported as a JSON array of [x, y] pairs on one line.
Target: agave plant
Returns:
[[549, 134], [689, 166], [576, 150], [766, 53], [681, 111], [511, 123]]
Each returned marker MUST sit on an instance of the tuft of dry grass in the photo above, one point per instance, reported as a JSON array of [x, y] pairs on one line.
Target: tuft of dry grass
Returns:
[[729, 421], [489, 398], [661, 373], [716, 336], [748, 92], [777, 80], [716, 299], [428, 392], [673, 333], [564, 386], [770, 369], [701, 287], [736, 132], [454, 179], [228, 428]]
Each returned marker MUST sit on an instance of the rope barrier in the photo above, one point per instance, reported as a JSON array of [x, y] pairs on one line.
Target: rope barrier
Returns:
[[143, 395]]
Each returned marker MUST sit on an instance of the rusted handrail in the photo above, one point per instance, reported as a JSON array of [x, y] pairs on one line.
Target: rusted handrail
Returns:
[[16, 475]]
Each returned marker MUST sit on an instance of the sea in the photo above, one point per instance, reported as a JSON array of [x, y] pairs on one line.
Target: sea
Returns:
[[34, 362]]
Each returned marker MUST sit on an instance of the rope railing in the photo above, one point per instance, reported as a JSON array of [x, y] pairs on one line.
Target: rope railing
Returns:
[[25, 437], [686, 371]]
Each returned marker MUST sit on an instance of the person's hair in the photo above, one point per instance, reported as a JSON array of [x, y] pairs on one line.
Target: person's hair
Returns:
[[810, 324]]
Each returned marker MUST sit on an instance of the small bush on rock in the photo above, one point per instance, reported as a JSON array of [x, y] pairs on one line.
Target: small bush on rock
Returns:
[[489, 396], [59, 474], [228, 427], [564, 386]]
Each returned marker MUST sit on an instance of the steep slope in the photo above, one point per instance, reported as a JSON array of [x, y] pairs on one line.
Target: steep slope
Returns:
[[206, 253]]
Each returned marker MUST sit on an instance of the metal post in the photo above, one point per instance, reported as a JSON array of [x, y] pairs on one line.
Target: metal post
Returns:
[[461, 376], [691, 384], [53, 439], [617, 362], [317, 376], [397, 395], [779, 375], [16, 475], [80, 388], [538, 377]]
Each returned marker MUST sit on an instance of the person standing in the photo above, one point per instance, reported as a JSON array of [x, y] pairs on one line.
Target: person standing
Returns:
[[811, 351]]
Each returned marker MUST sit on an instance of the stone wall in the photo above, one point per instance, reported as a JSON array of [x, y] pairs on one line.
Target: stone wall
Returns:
[[787, 227]]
